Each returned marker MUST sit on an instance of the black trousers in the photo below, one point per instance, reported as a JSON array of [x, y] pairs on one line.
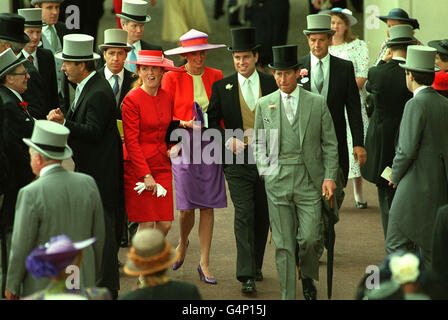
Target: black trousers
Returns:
[[251, 223], [385, 197]]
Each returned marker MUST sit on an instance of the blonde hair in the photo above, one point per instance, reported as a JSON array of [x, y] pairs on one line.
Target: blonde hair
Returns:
[[348, 36]]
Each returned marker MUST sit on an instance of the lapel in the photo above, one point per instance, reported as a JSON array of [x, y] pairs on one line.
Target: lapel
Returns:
[[304, 113], [274, 113], [46, 44], [332, 84], [84, 92], [232, 100], [25, 112], [127, 81]]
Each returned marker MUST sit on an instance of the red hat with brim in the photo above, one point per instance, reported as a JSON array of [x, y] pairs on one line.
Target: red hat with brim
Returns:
[[441, 81], [193, 41], [155, 58]]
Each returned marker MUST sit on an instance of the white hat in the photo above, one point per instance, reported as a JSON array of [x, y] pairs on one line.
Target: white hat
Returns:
[[346, 12], [318, 23], [420, 58], [50, 139], [33, 17], [115, 38], [77, 47], [9, 61]]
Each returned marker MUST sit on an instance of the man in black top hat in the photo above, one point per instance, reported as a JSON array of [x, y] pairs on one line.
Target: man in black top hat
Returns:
[[296, 152], [395, 17], [234, 100], [442, 53]]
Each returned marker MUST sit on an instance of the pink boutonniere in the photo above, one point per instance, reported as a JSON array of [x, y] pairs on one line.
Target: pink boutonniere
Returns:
[[24, 106], [304, 76], [272, 106]]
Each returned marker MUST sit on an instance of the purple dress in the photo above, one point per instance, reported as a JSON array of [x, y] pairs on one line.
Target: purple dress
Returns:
[[199, 184]]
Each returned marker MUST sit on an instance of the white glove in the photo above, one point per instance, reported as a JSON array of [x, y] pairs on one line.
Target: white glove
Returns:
[[140, 187], [161, 191]]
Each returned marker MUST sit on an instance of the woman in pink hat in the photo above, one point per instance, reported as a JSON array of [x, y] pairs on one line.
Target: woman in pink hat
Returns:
[[198, 186], [147, 113]]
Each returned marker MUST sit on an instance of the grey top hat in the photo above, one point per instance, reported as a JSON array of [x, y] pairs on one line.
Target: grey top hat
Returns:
[[9, 61], [420, 58], [77, 47], [115, 38], [318, 23], [135, 10], [33, 17], [150, 253], [50, 139], [401, 34], [34, 2]]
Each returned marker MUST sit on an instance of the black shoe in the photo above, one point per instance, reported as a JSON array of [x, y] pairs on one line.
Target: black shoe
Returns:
[[248, 287], [361, 205], [309, 289], [258, 275]]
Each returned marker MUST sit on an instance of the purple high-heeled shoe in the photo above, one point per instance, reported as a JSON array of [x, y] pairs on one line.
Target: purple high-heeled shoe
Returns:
[[178, 264], [205, 278]]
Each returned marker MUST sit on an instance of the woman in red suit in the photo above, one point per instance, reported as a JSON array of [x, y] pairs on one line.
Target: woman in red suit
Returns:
[[147, 113], [198, 186]]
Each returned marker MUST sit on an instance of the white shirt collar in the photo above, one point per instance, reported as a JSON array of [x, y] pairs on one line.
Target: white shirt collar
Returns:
[[419, 89], [108, 74], [399, 59], [315, 60], [83, 82], [137, 45], [294, 94], [254, 78], [45, 169], [26, 54]]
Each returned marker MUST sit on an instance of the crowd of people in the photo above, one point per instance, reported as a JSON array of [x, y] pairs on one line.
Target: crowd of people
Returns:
[[92, 142]]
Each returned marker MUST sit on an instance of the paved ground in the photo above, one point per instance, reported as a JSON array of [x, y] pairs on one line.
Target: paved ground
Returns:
[[359, 237]]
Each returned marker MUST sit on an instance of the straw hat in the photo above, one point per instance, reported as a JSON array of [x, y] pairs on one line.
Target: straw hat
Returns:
[[155, 58], [134, 10], [77, 47], [50, 139], [346, 12], [150, 253], [420, 58], [115, 38], [318, 23], [192, 41], [9, 61], [33, 17]]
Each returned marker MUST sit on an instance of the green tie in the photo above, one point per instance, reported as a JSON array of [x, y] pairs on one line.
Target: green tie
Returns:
[[54, 38]]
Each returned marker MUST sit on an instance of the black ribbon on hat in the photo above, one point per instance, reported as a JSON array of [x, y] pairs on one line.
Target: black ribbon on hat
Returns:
[[76, 57], [49, 148], [114, 44], [138, 18], [33, 23]]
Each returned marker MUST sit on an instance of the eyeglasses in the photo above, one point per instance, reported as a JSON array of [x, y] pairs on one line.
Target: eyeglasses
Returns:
[[19, 73]]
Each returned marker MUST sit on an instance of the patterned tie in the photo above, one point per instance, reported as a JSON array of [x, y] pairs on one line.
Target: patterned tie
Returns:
[[288, 109], [116, 87], [319, 77], [249, 97], [132, 57], [31, 59]]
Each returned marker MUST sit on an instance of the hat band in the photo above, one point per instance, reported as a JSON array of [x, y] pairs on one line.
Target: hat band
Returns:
[[33, 23], [150, 59], [401, 39], [50, 148], [114, 44], [194, 42], [67, 56], [319, 29], [132, 16]]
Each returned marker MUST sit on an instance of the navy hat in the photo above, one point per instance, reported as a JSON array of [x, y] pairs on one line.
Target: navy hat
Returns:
[[400, 14], [440, 45], [11, 28], [285, 57]]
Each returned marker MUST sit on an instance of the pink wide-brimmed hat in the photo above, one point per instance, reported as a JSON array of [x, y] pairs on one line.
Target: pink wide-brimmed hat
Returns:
[[155, 58], [192, 41]]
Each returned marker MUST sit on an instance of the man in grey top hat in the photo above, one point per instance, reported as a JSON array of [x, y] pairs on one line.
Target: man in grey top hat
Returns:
[[388, 95], [95, 141], [59, 202], [115, 50], [296, 152], [420, 166], [133, 18], [37, 56]]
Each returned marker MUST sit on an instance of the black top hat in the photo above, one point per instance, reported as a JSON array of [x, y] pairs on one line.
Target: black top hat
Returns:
[[400, 14], [285, 57], [243, 39], [11, 28], [440, 45]]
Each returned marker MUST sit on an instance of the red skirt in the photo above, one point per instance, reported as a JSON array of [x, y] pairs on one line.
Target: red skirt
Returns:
[[147, 207]]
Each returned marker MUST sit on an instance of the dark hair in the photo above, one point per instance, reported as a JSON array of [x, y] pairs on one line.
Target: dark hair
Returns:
[[90, 65], [423, 78], [395, 47], [254, 52], [443, 56]]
